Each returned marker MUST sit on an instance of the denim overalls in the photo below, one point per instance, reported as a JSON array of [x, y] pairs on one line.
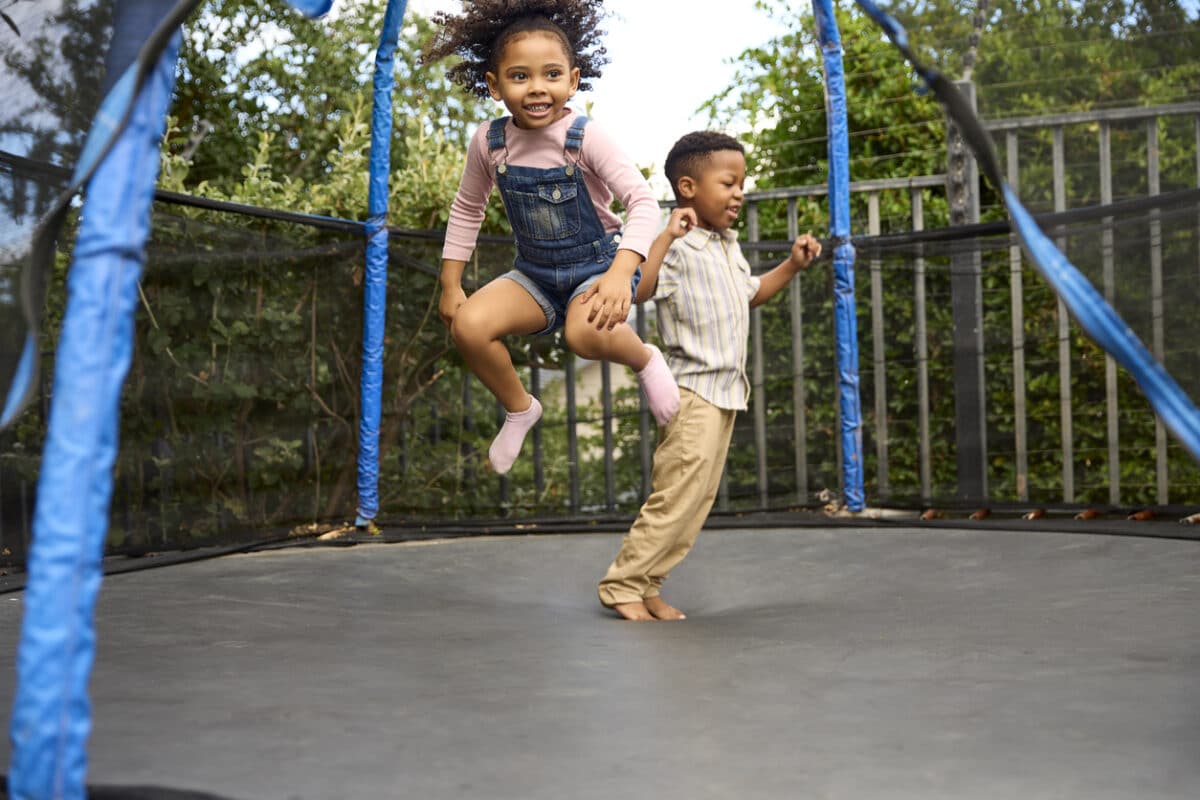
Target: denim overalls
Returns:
[[562, 248]]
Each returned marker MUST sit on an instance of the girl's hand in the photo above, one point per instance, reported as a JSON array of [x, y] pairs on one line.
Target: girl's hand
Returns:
[[804, 250], [609, 299], [682, 220], [452, 297]]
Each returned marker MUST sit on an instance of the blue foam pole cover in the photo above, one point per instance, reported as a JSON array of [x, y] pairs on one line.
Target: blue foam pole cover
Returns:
[[844, 308], [312, 8], [51, 714], [375, 280]]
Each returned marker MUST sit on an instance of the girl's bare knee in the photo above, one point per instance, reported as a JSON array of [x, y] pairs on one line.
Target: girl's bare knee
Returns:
[[583, 341], [468, 329]]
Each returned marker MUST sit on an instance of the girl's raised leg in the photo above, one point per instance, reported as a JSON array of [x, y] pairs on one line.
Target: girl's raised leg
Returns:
[[622, 345], [501, 308]]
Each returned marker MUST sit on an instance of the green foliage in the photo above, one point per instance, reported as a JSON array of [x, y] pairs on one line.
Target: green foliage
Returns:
[[243, 396], [241, 406], [1039, 56], [1036, 58], [250, 68]]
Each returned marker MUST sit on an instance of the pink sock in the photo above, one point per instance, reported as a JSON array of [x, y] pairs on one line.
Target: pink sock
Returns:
[[662, 392], [507, 444]]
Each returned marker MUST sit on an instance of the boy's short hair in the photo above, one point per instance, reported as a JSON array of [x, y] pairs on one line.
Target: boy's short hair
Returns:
[[688, 155]]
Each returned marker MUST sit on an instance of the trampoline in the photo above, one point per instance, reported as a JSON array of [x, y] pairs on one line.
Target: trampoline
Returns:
[[853, 662], [824, 656]]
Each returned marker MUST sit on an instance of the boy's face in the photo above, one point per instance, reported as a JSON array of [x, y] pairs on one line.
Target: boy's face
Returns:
[[716, 192]]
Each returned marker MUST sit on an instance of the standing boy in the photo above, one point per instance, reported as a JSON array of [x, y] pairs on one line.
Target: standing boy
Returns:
[[704, 291]]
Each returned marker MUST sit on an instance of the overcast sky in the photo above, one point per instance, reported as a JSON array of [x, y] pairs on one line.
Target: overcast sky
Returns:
[[666, 58]]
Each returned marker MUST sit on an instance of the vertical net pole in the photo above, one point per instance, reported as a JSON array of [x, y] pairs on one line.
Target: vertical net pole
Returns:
[[846, 325], [375, 280]]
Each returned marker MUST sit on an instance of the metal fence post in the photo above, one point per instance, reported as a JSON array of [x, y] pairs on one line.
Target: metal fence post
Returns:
[[878, 353], [799, 397], [1108, 262], [966, 288], [921, 339], [1017, 305], [572, 438], [610, 475], [1157, 334], [539, 467], [502, 483], [1065, 403], [758, 388], [644, 417]]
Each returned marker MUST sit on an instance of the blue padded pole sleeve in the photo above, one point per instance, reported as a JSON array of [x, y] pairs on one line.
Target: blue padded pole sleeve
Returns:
[[375, 282], [312, 8], [51, 713], [845, 320]]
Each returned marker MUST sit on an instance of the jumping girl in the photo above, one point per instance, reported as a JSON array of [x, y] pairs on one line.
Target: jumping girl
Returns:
[[577, 267]]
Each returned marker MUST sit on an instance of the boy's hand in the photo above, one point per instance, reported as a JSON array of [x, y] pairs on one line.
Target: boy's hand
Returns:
[[804, 250], [609, 299], [453, 296], [682, 220]]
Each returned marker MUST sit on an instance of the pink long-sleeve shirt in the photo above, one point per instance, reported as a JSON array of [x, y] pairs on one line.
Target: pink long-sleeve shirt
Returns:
[[607, 172]]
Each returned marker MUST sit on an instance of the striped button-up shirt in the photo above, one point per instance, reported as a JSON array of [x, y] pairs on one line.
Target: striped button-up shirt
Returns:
[[703, 299]]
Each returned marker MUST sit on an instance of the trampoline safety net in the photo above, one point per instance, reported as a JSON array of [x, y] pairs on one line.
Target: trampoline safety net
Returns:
[[239, 415]]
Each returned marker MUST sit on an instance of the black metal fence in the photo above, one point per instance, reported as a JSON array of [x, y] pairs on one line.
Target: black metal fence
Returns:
[[240, 411]]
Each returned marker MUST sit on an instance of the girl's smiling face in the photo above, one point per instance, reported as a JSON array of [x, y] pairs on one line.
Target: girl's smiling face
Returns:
[[534, 79]]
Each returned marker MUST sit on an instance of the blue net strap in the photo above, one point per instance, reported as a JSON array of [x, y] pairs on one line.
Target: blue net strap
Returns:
[[1088, 306]]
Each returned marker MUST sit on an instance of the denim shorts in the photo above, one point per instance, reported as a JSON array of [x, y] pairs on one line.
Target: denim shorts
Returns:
[[555, 288]]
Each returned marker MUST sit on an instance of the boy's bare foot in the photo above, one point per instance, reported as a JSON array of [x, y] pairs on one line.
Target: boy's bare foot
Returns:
[[636, 612], [660, 609]]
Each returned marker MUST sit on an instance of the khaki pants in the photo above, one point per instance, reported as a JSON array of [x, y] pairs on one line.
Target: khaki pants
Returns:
[[688, 463]]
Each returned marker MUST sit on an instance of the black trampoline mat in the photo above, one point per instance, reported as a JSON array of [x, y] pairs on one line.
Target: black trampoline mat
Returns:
[[896, 663]]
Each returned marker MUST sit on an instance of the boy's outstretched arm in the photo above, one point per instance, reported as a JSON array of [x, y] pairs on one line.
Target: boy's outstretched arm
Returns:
[[681, 221], [804, 250]]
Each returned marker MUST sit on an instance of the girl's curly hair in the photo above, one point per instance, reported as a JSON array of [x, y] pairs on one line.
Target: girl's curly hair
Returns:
[[479, 34]]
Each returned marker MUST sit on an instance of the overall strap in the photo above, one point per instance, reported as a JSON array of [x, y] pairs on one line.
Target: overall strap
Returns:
[[574, 141], [495, 135]]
